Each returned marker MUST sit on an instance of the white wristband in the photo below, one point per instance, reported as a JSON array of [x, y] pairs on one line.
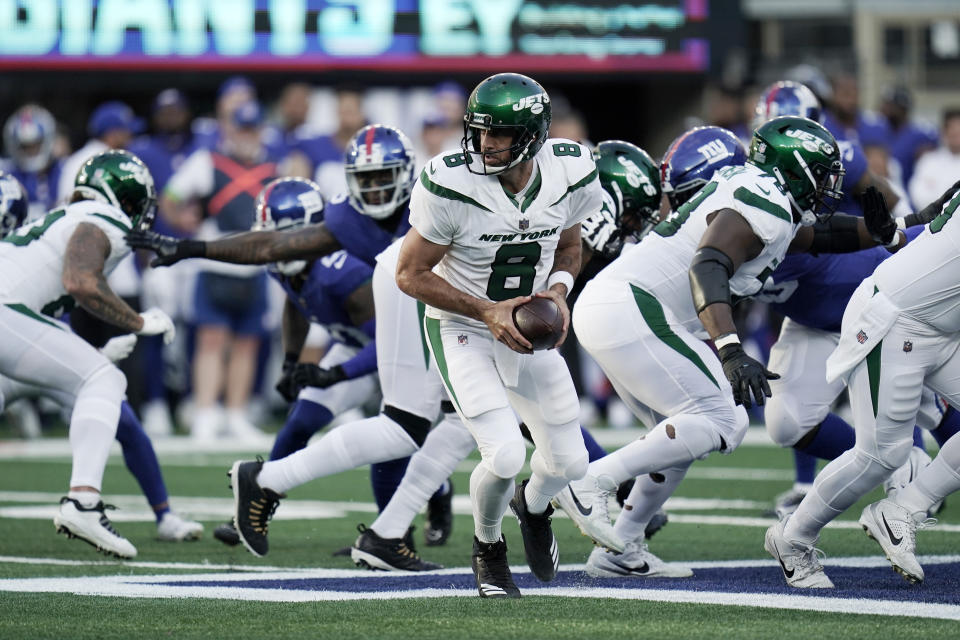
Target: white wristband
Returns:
[[562, 277], [901, 223], [896, 240], [725, 339]]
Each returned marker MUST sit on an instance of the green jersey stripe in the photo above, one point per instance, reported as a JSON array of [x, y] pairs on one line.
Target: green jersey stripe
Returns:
[[421, 314], [587, 179], [113, 221], [873, 374], [653, 315], [449, 194], [30, 313], [751, 199], [433, 332]]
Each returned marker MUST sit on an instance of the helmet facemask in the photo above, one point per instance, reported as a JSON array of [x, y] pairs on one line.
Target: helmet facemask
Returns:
[[377, 192], [816, 193], [474, 124]]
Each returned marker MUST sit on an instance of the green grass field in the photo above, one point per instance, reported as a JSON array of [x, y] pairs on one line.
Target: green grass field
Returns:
[[722, 524]]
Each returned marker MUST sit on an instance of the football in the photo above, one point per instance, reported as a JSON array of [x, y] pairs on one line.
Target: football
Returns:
[[540, 321]]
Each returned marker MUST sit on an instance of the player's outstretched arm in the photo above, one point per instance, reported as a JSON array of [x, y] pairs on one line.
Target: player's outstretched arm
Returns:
[[83, 278], [415, 277], [843, 233], [728, 242], [253, 247]]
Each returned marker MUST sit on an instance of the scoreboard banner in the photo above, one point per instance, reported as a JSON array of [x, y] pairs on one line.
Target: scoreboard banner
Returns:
[[578, 36]]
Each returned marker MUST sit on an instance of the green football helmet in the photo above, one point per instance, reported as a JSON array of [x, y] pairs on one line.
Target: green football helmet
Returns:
[[119, 178], [506, 102], [631, 179], [805, 160]]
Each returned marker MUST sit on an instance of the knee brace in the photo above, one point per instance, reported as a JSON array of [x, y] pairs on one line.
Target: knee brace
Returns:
[[506, 460], [415, 426]]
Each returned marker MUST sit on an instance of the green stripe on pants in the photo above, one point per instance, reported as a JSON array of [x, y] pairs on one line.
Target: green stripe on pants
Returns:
[[421, 314], [873, 374], [433, 332], [30, 313], [653, 315]]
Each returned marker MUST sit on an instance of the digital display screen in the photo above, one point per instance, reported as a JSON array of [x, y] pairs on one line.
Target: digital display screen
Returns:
[[579, 36]]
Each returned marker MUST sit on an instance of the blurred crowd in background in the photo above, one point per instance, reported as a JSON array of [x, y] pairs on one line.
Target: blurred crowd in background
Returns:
[[217, 379]]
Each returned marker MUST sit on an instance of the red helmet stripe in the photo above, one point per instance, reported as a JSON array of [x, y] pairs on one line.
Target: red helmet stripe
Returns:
[[368, 141]]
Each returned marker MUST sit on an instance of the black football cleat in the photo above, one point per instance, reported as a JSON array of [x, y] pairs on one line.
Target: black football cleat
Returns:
[[253, 506], [492, 571], [439, 518], [539, 544], [227, 534], [386, 554]]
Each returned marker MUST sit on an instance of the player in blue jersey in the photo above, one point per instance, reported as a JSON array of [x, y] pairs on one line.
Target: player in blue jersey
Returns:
[[811, 292], [28, 138], [138, 453]]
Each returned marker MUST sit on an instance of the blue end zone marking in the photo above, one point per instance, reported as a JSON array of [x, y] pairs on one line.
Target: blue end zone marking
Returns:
[[881, 583]]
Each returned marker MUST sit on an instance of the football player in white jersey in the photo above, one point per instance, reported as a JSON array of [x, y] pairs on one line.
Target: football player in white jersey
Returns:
[[644, 317], [900, 332], [495, 223], [49, 266]]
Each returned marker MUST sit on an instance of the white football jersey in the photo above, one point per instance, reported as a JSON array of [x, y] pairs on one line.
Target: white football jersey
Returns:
[[31, 258], [503, 246], [659, 264], [923, 278]]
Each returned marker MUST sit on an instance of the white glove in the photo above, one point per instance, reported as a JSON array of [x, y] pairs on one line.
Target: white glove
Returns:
[[119, 347], [156, 322]]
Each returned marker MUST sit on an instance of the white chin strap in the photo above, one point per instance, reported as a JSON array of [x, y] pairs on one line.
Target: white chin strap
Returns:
[[807, 218]]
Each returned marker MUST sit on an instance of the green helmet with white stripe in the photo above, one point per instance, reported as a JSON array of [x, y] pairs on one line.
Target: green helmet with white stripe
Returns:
[[119, 178], [804, 158]]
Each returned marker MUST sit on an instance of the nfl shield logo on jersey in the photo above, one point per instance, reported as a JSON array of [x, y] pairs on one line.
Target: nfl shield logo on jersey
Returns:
[[524, 224], [907, 346], [862, 336], [462, 339]]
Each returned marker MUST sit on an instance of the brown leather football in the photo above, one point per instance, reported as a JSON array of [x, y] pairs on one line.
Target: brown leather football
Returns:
[[540, 321]]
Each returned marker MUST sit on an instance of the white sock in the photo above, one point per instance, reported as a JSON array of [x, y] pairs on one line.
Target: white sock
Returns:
[[675, 442], [935, 482], [93, 426], [349, 446], [445, 447], [646, 498], [558, 458], [837, 487], [490, 495], [86, 499]]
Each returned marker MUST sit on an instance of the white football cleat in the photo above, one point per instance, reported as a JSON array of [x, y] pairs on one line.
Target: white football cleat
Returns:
[[635, 561], [800, 563], [173, 528], [585, 501], [91, 525], [895, 530]]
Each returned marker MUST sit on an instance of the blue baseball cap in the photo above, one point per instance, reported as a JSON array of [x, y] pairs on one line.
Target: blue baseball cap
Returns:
[[113, 115], [233, 83], [248, 115], [170, 98]]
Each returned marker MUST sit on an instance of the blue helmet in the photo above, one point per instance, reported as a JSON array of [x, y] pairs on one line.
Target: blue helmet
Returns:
[[13, 204], [28, 137], [693, 158], [786, 98], [287, 203], [380, 165]]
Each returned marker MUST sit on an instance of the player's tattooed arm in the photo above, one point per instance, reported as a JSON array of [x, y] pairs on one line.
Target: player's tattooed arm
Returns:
[[359, 305], [415, 277], [253, 247], [83, 278], [293, 329], [261, 247], [567, 259]]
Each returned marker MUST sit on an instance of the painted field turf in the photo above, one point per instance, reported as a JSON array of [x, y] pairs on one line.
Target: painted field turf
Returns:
[[204, 589]]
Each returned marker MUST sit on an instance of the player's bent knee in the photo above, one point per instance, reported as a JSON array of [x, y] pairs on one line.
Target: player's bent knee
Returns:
[[782, 425], [107, 382], [507, 459], [895, 454]]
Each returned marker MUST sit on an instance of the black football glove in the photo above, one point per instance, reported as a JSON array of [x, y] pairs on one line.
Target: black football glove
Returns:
[[310, 375], [286, 386], [169, 250], [880, 224], [933, 209], [745, 375]]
